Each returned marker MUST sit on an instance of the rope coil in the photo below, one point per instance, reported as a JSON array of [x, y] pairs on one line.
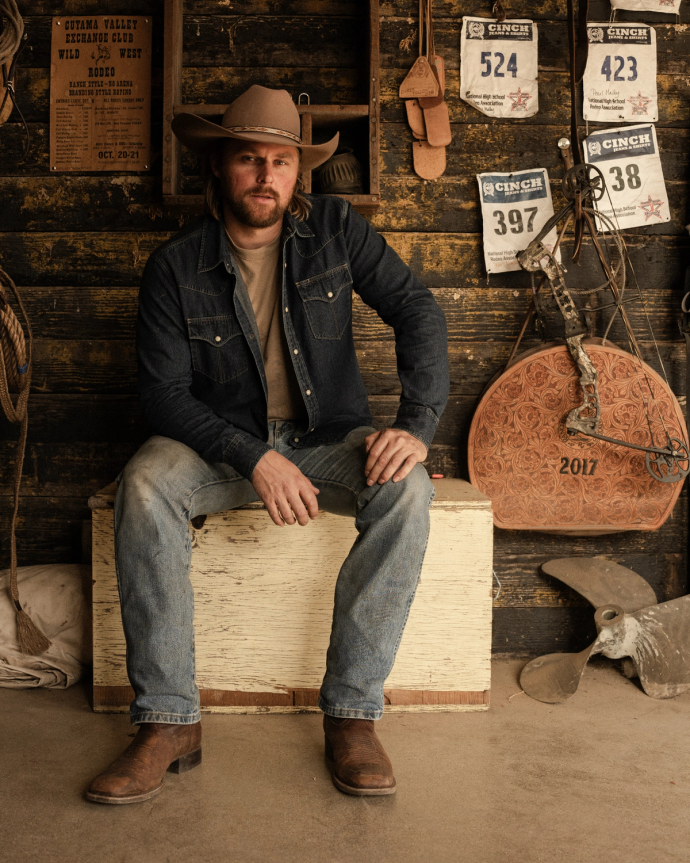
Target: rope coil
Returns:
[[11, 36], [15, 377]]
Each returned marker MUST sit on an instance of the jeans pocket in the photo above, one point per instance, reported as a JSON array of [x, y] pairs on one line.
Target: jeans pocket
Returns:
[[219, 350], [327, 300]]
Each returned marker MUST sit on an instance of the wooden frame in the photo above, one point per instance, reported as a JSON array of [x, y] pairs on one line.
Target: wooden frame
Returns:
[[311, 115]]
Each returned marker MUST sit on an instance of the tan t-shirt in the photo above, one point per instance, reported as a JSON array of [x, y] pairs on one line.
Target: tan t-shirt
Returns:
[[262, 274]]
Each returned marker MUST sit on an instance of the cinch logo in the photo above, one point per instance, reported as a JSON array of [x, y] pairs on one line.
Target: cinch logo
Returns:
[[626, 31], [515, 186], [624, 143], [509, 28]]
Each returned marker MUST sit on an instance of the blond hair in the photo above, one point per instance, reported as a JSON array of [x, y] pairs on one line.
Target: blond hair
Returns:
[[299, 205]]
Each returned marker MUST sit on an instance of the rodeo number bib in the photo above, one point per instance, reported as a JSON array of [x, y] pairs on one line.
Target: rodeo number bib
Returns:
[[635, 190], [515, 207], [670, 7], [498, 66], [620, 77]]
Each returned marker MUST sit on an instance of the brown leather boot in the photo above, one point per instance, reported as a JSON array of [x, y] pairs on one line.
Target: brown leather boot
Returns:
[[357, 760], [138, 773]]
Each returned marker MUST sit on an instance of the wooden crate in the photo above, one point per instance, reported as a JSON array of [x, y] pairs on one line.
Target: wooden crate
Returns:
[[264, 602]]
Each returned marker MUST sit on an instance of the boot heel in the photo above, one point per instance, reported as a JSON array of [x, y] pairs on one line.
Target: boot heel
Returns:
[[186, 762]]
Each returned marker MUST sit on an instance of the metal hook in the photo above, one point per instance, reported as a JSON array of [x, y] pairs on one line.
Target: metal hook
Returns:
[[299, 99]]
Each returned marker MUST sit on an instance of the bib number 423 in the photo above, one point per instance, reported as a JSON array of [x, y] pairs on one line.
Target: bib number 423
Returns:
[[619, 64]]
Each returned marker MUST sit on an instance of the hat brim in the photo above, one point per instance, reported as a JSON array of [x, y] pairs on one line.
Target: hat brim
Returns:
[[200, 135]]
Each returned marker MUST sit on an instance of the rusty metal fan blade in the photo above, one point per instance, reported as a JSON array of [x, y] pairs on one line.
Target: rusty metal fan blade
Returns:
[[603, 582], [658, 641], [555, 677]]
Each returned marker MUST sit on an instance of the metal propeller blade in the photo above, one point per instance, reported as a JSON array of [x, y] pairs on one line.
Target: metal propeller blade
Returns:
[[603, 582], [629, 623], [555, 677]]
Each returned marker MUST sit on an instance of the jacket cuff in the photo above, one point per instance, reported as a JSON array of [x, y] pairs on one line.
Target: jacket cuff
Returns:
[[243, 453], [419, 421]]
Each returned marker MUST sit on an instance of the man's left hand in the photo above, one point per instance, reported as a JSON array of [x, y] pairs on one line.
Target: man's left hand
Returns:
[[392, 453]]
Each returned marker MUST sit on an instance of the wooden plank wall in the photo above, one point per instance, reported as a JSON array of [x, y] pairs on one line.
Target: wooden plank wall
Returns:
[[76, 246]]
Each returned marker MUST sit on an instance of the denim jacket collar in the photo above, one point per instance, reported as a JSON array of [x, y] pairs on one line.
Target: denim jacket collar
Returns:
[[215, 248]]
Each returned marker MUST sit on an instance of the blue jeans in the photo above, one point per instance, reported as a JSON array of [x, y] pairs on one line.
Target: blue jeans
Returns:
[[166, 484]]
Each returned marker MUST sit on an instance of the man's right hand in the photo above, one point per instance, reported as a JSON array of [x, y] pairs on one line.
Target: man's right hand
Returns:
[[285, 490]]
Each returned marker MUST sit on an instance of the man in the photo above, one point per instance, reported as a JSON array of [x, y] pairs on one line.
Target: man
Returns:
[[249, 378]]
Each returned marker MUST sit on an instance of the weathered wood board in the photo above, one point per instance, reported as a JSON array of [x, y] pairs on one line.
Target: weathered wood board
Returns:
[[263, 600], [77, 245]]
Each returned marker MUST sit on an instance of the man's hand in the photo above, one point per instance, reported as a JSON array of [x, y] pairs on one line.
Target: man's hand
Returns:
[[392, 453], [285, 490]]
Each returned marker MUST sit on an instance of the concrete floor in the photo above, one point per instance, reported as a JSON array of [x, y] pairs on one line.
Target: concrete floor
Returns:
[[603, 777]]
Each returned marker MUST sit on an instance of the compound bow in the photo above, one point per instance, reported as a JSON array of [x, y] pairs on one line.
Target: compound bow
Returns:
[[584, 185]]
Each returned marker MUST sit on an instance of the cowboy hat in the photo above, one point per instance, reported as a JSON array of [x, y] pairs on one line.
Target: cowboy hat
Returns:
[[259, 114]]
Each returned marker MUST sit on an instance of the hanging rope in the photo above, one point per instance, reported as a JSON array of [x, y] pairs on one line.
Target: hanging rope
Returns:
[[11, 36], [12, 42], [15, 377]]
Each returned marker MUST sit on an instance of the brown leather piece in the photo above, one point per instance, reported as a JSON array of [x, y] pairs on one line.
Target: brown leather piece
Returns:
[[138, 773], [415, 117], [429, 162], [438, 67], [437, 123], [419, 81], [357, 760]]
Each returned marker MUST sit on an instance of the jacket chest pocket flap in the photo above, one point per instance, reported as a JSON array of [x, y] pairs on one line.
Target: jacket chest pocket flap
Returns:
[[327, 299], [219, 350]]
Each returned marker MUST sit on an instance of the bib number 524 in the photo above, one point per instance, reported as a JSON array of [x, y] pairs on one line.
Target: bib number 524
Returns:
[[499, 61]]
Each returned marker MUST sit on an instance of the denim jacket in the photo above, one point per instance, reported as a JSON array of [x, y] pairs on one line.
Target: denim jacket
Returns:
[[201, 373]]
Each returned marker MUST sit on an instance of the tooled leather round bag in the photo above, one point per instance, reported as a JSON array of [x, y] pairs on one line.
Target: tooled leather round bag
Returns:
[[540, 477]]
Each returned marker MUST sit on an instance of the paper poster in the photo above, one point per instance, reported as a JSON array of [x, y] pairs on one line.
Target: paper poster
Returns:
[[620, 77], [635, 190], [100, 93], [671, 7], [498, 66], [515, 207]]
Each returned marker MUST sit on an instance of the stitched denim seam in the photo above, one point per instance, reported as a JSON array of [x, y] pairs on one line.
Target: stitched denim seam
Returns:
[[208, 485]]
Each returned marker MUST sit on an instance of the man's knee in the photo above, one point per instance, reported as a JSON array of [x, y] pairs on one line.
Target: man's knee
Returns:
[[412, 494], [156, 472]]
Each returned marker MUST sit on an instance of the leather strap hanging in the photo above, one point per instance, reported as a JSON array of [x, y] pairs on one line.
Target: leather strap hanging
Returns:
[[15, 376]]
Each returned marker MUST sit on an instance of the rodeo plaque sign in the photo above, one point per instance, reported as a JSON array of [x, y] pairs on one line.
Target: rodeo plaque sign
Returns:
[[100, 93]]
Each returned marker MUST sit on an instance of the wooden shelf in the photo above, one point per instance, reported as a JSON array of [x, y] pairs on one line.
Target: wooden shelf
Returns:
[[313, 117]]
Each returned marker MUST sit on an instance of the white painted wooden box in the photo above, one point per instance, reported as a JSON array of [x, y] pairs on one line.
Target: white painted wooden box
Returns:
[[262, 624]]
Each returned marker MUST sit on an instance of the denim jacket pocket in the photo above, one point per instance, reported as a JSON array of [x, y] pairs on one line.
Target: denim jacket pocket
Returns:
[[219, 350], [327, 300]]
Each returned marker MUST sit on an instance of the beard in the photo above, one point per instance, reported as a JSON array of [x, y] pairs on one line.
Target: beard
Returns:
[[249, 212]]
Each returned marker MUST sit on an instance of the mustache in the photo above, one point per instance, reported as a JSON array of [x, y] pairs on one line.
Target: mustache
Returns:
[[266, 191]]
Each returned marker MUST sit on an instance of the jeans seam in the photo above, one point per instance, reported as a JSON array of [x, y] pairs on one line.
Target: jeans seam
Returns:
[[419, 573], [208, 485]]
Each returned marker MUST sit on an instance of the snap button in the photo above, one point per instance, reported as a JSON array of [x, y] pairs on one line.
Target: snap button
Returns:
[[311, 429], [296, 440], [217, 338], [295, 351], [330, 293], [308, 392], [286, 308]]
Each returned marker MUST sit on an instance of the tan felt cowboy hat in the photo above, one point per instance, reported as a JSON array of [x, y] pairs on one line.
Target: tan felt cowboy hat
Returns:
[[259, 114]]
